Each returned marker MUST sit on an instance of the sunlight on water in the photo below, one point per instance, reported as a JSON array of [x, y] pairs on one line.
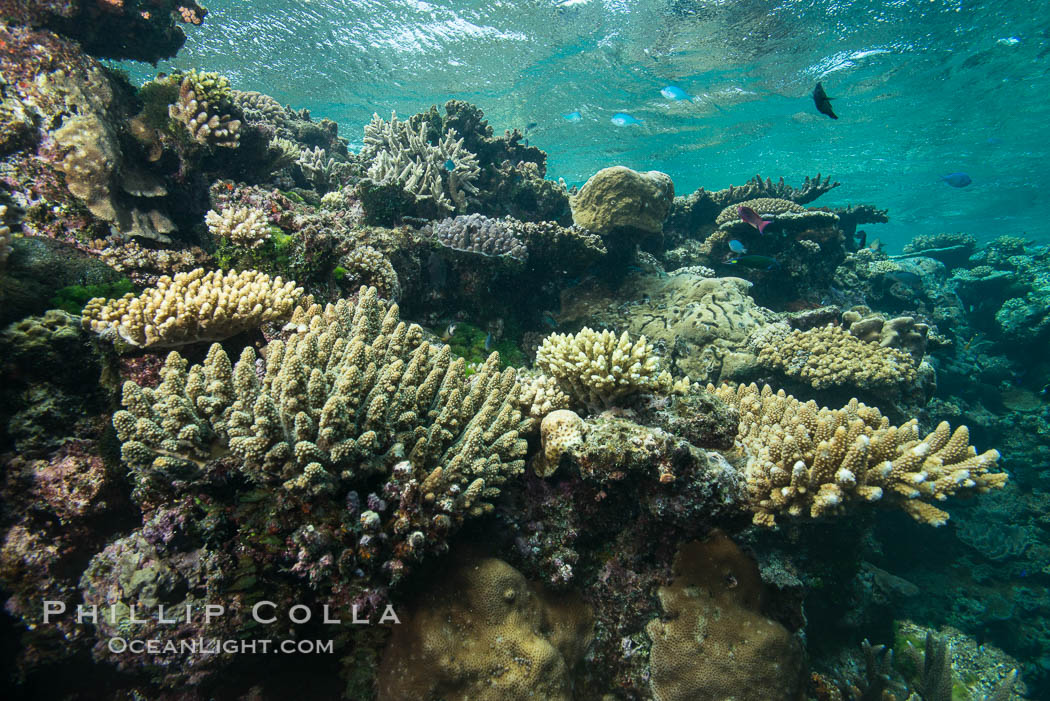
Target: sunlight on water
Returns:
[[922, 89]]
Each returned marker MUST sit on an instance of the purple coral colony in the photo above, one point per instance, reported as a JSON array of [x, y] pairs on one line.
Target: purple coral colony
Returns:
[[522, 441]]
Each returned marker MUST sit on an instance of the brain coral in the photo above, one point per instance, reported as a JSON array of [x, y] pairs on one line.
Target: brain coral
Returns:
[[713, 642], [483, 633]]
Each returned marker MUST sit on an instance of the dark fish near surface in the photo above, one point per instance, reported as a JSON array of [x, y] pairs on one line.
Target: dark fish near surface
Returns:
[[823, 102], [751, 217], [957, 179], [755, 262]]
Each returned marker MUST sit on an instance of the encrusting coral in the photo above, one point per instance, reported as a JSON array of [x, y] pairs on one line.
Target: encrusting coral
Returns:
[[714, 641], [402, 155], [808, 460], [193, 307], [829, 356], [202, 96], [244, 226], [353, 392], [901, 332], [599, 368], [560, 431]]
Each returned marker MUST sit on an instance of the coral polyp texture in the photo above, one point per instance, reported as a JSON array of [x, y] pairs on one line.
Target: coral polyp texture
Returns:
[[810, 461], [203, 97], [540, 395], [445, 172], [475, 233], [829, 357], [193, 307], [244, 226], [356, 392], [618, 198], [714, 641], [367, 266], [597, 368]]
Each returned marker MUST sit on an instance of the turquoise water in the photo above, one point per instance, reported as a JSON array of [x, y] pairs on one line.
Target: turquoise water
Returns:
[[923, 88]]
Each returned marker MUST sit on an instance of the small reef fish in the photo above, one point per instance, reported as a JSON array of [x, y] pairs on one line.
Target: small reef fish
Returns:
[[450, 164], [751, 217], [957, 179], [530, 125], [450, 331], [737, 247], [549, 320], [488, 342], [573, 116], [622, 119], [875, 245], [755, 262], [823, 102], [673, 92], [905, 277]]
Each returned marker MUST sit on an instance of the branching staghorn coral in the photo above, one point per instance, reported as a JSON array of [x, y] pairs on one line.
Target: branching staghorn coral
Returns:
[[202, 97], [353, 392], [193, 307], [804, 460], [321, 171], [598, 369], [244, 226], [829, 356], [403, 155]]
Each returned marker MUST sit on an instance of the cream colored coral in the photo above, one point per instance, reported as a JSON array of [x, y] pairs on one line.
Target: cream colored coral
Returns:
[[193, 307], [560, 432], [198, 109], [830, 357], [403, 155], [901, 332], [598, 369], [805, 460], [244, 226], [540, 395], [365, 265]]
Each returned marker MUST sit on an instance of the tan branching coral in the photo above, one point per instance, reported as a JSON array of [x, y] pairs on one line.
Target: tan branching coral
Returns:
[[804, 460], [356, 391], [244, 226], [193, 307], [829, 356], [202, 97], [402, 154], [597, 369]]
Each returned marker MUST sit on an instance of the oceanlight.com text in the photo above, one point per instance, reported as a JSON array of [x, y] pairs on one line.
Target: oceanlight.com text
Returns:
[[214, 646]]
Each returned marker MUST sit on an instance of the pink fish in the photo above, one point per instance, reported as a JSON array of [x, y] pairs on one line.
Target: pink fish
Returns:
[[751, 217]]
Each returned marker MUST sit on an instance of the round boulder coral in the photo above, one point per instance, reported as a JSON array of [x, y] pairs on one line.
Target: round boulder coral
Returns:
[[619, 198]]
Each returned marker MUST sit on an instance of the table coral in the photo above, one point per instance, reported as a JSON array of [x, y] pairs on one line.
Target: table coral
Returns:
[[478, 234], [808, 460], [193, 307], [483, 632], [598, 369], [829, 356]]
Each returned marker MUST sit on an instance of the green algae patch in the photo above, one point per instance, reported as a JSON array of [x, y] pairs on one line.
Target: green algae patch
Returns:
[[73, 298]]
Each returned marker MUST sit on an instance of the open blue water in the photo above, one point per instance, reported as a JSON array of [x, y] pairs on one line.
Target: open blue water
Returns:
[[923, 88]]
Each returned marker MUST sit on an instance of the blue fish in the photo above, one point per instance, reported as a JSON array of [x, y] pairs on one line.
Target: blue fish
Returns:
[[673, 92], [573, 116], [622, 119], [737, 247], [450, 164], [957, 179], [488, 342]]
